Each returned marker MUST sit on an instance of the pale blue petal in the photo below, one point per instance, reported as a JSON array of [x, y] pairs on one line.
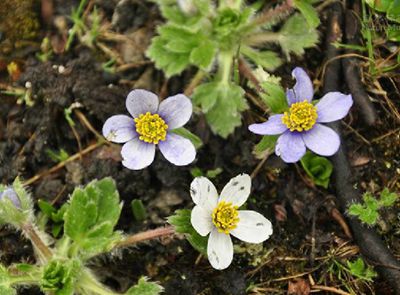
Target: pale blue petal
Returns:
[[290, 147], [322, 140], [333, 106]]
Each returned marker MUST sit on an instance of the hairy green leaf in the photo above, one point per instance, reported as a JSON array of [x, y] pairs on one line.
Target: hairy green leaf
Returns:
[[274, 97], [144, 287], [203, 55], [138, 210], [92, 215], [181, 221], [267, 59], [296, 35], [59, 276], [387, 198], [308, 11]]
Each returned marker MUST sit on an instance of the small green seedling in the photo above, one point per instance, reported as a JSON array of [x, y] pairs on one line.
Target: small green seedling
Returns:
[[138, 210], [368, 212], [318, 168]]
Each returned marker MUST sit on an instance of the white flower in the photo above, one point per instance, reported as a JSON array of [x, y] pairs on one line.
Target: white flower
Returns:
[[219, 216]]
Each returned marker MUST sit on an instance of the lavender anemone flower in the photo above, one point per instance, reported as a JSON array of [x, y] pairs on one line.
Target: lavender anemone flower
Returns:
[[10, 194], [300, 126], [151, 125]]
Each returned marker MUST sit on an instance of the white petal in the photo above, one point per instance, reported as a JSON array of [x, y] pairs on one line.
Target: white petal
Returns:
[[119, 128], [176, 110], [137, 154], [237, 190], [201, 220], [252, 227], [219, 249], [178, 150], [140, 101], [204, 193]]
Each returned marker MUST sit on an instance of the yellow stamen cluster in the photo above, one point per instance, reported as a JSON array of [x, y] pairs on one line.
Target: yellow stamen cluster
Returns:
[[151, 128], [225, 217], [301, 116]]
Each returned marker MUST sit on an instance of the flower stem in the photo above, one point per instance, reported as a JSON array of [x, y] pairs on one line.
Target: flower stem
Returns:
[[225, 60], [261, 38], [147, 235], [37, 242], [87, 281], [272, 15]]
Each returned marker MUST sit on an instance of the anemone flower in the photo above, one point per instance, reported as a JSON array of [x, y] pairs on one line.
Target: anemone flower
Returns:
[[301, 126], [150, 126], [10, 194], [219, 216]]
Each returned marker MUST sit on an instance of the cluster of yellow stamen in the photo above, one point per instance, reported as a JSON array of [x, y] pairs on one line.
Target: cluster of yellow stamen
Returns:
[[300, 117], [151, 128], [225, 217]]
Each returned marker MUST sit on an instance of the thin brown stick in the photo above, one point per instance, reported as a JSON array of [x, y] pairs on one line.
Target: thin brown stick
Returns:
[[147, 235], [329, 289], [340, 220], [63, 163]]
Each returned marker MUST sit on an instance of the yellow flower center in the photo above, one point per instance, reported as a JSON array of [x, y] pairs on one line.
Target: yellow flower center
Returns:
[[225, 217], [301, 116], [151, 128]]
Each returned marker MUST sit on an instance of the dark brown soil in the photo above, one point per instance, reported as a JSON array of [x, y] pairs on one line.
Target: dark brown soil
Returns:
[[300, 213]]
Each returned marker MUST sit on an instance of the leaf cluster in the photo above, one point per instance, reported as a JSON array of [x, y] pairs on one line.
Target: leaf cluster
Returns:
[[88, 224], [368, 211], [214, 35]]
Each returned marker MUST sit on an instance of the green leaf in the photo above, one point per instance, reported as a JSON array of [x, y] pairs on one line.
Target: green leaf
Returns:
[[92, 215], [296, 35], [274, 97], [181, 221], [46, 207], [308, 11], [203, 55], [189, 135], [267, 59], [214, 173], [222, 104], [267, 143], [318, 168], [144, 287], [393, 12], [387, 198], [5, 283], [206, 95], [59, 276], [367, 212], [138, 210], [380, 5], [360, 270], [171, 63]]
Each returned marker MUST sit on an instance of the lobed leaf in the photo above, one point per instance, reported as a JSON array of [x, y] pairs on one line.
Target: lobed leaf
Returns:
[[144, 287], [181, 221], [296, 35], [92, 215]]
